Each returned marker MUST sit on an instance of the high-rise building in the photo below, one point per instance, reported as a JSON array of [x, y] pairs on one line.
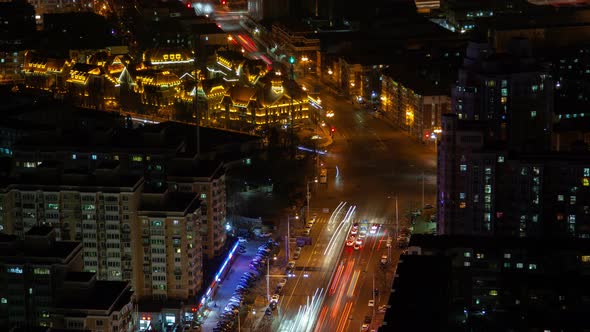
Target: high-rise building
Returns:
[[127, 233], [30, 270], [206, 180], [167, 249], [506, 90], [41, 286], [496, 174]]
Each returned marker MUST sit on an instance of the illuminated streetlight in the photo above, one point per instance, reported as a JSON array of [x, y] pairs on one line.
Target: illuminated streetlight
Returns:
[[330, 72]]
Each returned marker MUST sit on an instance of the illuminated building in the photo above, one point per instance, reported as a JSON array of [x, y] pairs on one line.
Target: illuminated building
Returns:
[[46, 73], [167, 252], [157, 88], [414, 102], [206, 179], [175, 60], [278, 102], [298, 41], [128, 231]]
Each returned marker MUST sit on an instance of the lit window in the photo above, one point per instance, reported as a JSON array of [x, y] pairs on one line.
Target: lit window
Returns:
[[178, 250], [74, 156], [15, 270], [3, 300], [137, 158], [560, 198], [586, 171], [175, 222], [468, 254], [585, 182], [94, 157], [462, 205], [507, 265], [519, 265], [572, 200], [533, 114], [40, 271], [585, 259], [507, 255], [116, 157], [461, 195], [157, 223], [500, 159], [203, 196], [480, 256], [532, 266], [466, 264], [493, 292], [463, 168]]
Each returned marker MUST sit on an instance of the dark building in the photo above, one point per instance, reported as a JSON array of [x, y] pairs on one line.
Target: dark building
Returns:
[[492, 284], [17, 28], [81, 30], [487, 189], [31, 270]]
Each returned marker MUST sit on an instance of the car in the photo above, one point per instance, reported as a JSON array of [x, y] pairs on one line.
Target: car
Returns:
[[376, 292], [268, 312], [371, 303], [290, 273], [365, 327], [275, 298], [349, 243], [383, 259], [298, 250], [282, 282], [362, 234], [278, 289], [268, 234], [383, 308], [357, 246], [354, 230], [265, 250], [306, 231], [291, 265], [242, 239], [388, 244], [296, 256], [359, 241], [374, 229]]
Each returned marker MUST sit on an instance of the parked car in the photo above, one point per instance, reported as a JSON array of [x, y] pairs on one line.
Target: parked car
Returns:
[[274, 298]]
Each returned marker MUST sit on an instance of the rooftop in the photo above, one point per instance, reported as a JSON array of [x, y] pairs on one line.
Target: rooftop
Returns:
[[104, 295]]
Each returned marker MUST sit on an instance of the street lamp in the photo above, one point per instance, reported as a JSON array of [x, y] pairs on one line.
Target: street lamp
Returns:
[[289, 233], [309, 197]]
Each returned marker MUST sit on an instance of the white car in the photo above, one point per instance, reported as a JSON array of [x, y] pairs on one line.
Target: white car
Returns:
[[374, 229], [274, 298], [357, 246], [282, 282], [291, 265], [354, 230], [371, 303]]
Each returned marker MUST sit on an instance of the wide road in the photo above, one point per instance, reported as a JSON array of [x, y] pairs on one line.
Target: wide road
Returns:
[[371, 165]]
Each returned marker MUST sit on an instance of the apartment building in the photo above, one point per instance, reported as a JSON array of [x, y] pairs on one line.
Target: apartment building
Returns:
[[167, 250], [30, 269], [205, 179], [500, 284], [487, 189]]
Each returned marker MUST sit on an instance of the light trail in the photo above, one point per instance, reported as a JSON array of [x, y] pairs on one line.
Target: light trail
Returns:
[[322, 319], [344, 318], [337, 278], [353, 282], [340, 296], [336, 212], [340, 228]]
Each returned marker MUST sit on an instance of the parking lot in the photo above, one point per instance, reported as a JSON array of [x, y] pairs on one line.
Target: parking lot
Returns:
[[241, 286]]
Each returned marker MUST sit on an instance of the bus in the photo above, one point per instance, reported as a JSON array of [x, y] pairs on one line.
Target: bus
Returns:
[[324, 175]]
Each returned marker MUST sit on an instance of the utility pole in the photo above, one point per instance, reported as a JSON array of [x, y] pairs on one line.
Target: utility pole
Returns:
[[396, 219], [267, 279], [423, 190], [196, 98]]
